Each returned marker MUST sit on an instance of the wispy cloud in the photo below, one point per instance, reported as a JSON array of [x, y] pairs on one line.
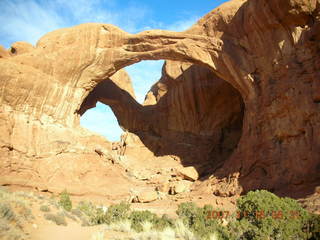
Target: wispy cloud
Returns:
[[177, 26], [29, 20], [182, 25]]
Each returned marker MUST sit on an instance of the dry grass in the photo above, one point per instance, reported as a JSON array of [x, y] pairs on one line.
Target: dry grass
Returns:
[[98, 236], [122, 226], [45, 208], [58, 219], [14, 213], [180, 232]]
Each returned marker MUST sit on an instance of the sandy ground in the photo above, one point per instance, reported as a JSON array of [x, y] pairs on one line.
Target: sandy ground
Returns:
[[42, 229], [73, 231]]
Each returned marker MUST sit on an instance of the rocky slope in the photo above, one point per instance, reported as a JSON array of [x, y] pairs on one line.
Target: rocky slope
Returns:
[[245, 108]]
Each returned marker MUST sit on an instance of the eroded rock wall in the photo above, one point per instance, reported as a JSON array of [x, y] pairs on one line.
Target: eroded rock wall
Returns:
[[268, 50], [280, 144]]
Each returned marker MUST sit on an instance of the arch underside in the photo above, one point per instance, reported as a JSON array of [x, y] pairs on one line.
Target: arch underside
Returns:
[[198, 118]]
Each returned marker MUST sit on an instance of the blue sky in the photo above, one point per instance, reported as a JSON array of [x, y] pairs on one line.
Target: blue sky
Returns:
[[28, 20]]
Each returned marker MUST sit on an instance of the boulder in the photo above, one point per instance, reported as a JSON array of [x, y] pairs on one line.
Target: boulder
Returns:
[[189, 173], [181, 186], [163, 187], [147, 196]]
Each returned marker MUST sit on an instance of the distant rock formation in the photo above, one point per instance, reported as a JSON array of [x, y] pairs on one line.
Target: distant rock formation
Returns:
[[239, 96]]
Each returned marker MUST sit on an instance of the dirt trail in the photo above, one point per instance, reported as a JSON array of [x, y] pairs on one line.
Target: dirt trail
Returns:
[[73, 231]]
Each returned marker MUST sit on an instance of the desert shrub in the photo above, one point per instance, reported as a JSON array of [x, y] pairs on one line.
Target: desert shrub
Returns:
[[77, 212], [120, 226], [11, 233], [162, 223], [58, 219], [312, 228], [116, 213], [86, 207], [184, 232], [242, 230], [22, 210], [85, 220], [196, 219], [44, 208], [40, 197], [65, 201], [94, 215], [13, 214], [4, 226], [69, 215], [7, 213], [137, 219], [283, 218]]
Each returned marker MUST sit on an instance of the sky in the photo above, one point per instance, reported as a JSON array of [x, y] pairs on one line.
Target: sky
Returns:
[[28, 20]]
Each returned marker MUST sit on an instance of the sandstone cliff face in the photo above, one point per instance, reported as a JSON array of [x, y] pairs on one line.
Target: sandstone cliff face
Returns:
[[280, 42], [253, 72]]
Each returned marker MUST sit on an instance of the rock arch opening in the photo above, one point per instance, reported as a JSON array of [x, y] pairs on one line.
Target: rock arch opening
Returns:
[[143, 75], [102, 120], [190, 114]]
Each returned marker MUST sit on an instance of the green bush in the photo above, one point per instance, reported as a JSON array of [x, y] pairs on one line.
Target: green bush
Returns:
[[96, 215], [283, 218], [86, 207], [137, 218], [116, 213], [58, 219], [196, 219], [65, 201], [93, 214], [164, 222], [312, 228]]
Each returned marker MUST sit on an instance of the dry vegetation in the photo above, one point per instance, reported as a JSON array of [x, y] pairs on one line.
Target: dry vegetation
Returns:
[[14, 214], [192, 223]]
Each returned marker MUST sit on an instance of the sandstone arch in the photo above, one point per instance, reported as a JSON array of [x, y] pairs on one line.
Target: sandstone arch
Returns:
[[189, 113], [267, 50]]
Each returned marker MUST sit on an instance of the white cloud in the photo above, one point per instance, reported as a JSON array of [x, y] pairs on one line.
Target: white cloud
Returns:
[[29, 20], [26, 21], [183, 25], [178, 26]]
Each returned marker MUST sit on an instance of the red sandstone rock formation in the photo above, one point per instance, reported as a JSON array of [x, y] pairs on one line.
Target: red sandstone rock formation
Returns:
[[247, 103]]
